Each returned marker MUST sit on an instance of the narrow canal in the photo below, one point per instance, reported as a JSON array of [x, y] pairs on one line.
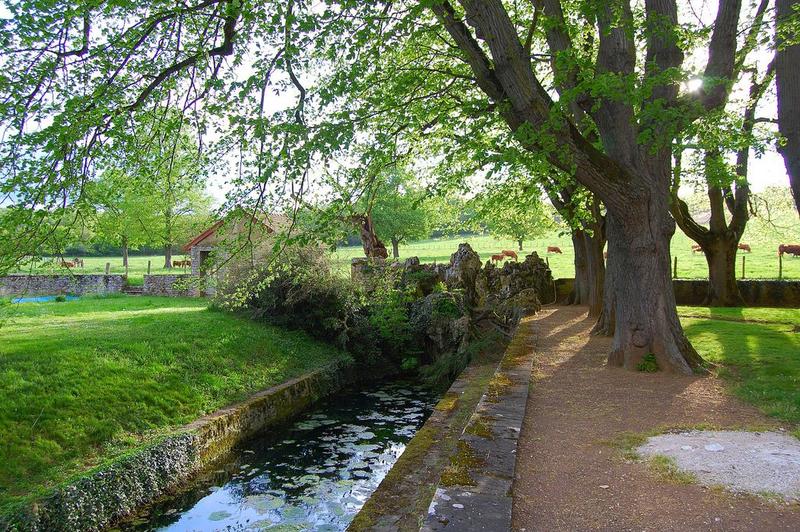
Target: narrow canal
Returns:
[[313, 475]]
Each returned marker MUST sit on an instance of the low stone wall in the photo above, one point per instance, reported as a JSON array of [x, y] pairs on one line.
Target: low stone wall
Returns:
[[177, 285], [47, 285], [116, 491], [756, 292]]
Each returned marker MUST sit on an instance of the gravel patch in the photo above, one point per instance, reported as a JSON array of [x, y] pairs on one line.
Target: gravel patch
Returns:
[[752, 462]]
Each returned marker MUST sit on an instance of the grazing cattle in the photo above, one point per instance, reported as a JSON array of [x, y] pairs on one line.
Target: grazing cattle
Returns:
[[696, 248], [510, 254], [181, 263], [67, 264], [745, 247], [498, 258], [554, 249], [78, 262], [792, 249]]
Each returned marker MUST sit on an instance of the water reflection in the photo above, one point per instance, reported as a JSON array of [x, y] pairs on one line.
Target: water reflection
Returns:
[[315, 476]]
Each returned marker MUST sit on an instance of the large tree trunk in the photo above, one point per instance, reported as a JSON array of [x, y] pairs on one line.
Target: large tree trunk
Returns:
[[787, 83], [395, 248], [580, 289], [722, 288], [644, 303]]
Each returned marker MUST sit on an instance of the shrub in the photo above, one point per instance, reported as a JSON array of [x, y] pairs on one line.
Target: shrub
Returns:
[[300, 291]]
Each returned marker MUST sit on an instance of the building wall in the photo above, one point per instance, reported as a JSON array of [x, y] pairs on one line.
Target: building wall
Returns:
[[45, 285]]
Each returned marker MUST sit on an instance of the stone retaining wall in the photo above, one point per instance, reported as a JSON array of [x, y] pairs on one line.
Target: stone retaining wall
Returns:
[[116, 491], [47, 285], [177, 285], [756, 292]]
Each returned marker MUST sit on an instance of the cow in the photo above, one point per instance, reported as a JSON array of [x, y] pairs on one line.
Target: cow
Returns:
[[67, 264], [697, 248], [554, 249], [510, 254], [792, 249], [745, 247], [498, 258], [605, 255], [181, 263], [78, 262]]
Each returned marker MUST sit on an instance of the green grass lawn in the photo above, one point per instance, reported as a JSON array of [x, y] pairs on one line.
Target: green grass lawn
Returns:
[[84, 381], [762, 263], [758, 351]]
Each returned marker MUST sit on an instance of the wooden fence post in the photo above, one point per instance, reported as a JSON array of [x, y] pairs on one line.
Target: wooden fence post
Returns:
[[108, 267], [743, 262], [675, 267], [547, 261], [148, 267], [780, 266]]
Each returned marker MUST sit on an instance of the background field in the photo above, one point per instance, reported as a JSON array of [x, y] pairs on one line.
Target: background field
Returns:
[[762, 263]]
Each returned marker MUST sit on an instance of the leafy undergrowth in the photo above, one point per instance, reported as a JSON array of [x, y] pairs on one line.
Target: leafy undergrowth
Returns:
[[85, 381], [760, 358]]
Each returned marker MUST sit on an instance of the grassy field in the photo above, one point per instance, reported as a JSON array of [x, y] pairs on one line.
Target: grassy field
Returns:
[[84, 381], [137, 267], [762, 263], [758, 351]]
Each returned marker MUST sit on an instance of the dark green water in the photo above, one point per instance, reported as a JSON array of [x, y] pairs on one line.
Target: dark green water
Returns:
[[313, 475]]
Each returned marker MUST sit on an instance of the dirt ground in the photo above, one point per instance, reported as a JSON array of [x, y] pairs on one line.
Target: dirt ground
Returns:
[[569, 476]]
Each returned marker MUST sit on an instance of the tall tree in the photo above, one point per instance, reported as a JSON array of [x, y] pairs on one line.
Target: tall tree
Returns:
[[402, 212], [728, 193], [126, 214], [510, 210], [787, 80]]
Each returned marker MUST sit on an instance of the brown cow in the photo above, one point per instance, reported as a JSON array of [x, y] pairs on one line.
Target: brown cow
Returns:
[[745, 247], [181, 263], [78, 262], [510, 254], [792, 249], [696, 248], [554, 249], [498, 258], [67, 264]]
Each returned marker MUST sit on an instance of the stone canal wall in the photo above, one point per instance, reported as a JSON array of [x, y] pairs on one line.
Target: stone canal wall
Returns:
[[47, 285], [115, 491]]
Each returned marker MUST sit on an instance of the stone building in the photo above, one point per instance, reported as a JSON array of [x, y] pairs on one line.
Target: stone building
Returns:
[[240, 233]]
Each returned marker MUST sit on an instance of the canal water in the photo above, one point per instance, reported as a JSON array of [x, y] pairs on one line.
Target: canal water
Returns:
[[313, 475]]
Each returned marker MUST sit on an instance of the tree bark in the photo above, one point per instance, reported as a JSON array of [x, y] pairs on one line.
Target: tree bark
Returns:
[[580, 289], [125, 251], [520, 244], [787, 83], [395, 248], [646, 318], [722, 288], [168, 238]]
